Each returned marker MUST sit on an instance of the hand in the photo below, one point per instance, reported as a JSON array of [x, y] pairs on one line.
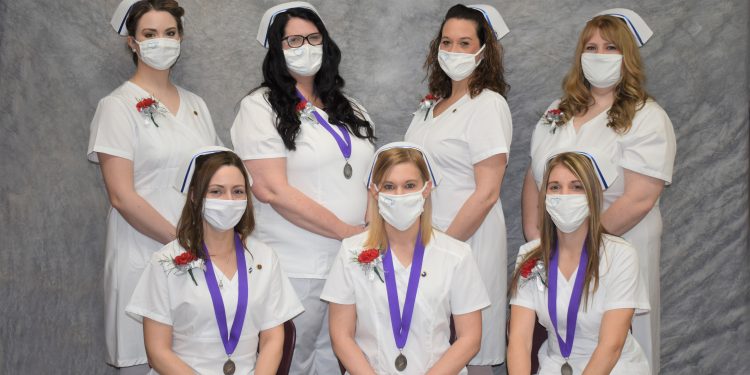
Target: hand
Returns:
[[351, 230]]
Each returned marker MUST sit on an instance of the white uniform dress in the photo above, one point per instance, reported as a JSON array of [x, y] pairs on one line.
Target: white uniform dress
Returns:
[[648, 148], [450, 285], [157, 153], [620, 287], [315, 168], [170, 297], [466, 133]]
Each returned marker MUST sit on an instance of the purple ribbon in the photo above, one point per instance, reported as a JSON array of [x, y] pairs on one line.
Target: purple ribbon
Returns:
[[399, 324], [230, 339], [575, 300], [345, 143]]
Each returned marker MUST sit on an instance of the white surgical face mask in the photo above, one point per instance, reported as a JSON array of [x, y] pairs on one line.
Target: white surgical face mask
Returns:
[[159, 53], [602, 70], [458, 65], [304, 60], [223, 214], [401, 211], [568, 211]]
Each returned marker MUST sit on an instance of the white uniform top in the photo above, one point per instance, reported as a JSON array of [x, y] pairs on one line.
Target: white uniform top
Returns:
[[619, 287], [316, 169], [173, 299], [451, 285], [158, 154], [466, 133], [647, 148]]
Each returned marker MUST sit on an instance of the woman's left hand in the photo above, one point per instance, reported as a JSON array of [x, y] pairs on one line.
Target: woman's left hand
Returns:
[[640, 196]]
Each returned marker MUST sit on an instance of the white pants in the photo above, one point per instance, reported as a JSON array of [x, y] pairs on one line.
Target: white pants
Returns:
[[313, 354]]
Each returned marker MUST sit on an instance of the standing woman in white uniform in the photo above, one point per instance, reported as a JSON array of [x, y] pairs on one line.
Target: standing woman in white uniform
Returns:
[[308, 147], [140, 135], [394, 288], [605, 107], [214, 301], [468, 132], [582, 283]]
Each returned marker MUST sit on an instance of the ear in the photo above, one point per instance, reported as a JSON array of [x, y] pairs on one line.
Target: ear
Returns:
[[427, 189], [132, 44], [373, 192]]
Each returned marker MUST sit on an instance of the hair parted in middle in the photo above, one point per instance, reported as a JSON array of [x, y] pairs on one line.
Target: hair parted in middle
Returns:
[[630, 92], [376, 236], [490, 73], [328, 83], [583, 169], [190, 225]]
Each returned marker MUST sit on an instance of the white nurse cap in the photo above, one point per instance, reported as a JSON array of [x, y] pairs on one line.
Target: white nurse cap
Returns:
[[493, 17], [182, 182], [121, 15], [641, 32], [271, 14], [392, 145], [604, 168]]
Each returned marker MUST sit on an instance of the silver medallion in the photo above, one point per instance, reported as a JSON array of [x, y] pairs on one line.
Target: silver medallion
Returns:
[[229, 367], [400, 362], [566, 369], [348, 170]]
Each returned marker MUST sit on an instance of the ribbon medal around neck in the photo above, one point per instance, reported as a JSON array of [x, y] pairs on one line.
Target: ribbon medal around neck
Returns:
[[231, 338], [401, 323], [575, 302], [345, 142]]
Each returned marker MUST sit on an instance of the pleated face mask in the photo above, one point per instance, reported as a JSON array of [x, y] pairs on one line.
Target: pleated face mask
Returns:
[[568, 211]]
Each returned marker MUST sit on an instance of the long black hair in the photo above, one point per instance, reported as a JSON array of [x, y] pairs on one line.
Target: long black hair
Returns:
[[327, 85]]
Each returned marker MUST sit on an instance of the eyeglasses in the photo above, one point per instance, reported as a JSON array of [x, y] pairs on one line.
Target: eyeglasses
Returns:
[[295, 41]]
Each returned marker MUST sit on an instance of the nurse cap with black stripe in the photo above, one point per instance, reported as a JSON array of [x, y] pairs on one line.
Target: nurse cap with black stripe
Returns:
[[408, 145], [121, 15], [182, 182], [271, 13], [638, 27], [604, 168], [494, 19]]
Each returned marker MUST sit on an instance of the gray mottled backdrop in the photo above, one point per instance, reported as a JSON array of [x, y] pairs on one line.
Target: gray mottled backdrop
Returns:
[[58, 58]]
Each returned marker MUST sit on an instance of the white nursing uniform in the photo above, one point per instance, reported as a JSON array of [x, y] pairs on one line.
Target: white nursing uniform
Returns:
[[157, 153], [170, 297], [648, 148], [315, 168], [620, 287], [450, 285], [466, 133]]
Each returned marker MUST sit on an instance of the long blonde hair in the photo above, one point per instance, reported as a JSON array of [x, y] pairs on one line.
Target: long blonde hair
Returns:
[[583, 169], [630, 93], [376, 236]]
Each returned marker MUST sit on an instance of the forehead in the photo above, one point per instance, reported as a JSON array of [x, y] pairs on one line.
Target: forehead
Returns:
[[459, 28], [402, 172], [561, 173], [156, 19], [299, 26], [227, 174]]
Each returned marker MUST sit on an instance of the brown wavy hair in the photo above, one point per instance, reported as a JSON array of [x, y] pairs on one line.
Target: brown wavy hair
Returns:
[[583, 169], [630, 92], [190, 225], [376, 237], [137, 10], [490, 73]]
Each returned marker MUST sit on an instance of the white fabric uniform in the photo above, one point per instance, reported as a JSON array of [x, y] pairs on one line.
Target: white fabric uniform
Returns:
[[157, 154], [451, 285], [647, 148], [171, 298], [620, 287], [316, 169], [466, 133]]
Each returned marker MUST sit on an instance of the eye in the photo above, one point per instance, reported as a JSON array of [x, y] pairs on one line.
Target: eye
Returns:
[[238, 191], [171, 33], [315, 39], [553, 187], [590, 48], [388, 186], [214, 191], [410, 185], [612, 47], [149, 35], [577, 186], [445, 42], [465, 44]]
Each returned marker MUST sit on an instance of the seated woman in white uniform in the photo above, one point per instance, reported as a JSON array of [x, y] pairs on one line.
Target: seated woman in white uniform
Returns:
[[605, 106], [214, 300], [588, 297], [392, 290]]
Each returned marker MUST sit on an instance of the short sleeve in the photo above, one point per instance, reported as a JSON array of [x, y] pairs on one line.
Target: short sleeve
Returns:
[[490, 127], [621, 278], [254, 134], [151, 296], [468, 292], [281, 302], [525, 291], [649, 146], [111, 131], [339, 287]]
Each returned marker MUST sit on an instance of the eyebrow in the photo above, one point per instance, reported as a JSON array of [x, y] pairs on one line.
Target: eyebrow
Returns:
[[154, 30]]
